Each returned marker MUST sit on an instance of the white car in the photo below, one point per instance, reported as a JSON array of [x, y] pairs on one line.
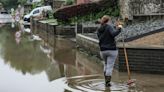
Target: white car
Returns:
[[36, 12]]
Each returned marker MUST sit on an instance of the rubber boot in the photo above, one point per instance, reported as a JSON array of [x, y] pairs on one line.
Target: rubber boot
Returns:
[[107, 80]]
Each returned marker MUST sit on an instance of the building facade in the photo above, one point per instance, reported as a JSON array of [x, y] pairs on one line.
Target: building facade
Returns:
[[55, 4], [82, 1], [1, 6]]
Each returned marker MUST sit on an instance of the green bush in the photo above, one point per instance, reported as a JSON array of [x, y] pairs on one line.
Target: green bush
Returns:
[[94, 16], [50, 14], [70, 2], [88, 12]]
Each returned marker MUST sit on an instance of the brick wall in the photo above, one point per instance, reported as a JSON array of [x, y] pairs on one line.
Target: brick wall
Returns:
[[145, 60]]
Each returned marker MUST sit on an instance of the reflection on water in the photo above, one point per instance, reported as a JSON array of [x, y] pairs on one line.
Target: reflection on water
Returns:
[[54, 65], [25, 57]]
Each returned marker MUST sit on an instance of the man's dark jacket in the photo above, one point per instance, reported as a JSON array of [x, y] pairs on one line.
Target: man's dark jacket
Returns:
[[106, 34]]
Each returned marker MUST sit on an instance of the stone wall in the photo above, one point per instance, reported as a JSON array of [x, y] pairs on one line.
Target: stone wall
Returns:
[[129, 8], [68, 30], [45, 28], [88, 43], [147, 6], [125, 9]]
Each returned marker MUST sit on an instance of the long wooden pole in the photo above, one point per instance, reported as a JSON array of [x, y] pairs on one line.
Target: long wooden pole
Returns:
[[127, 62], [126, 58]]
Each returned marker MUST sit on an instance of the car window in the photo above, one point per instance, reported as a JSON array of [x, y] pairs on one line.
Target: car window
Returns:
[[36, 11]]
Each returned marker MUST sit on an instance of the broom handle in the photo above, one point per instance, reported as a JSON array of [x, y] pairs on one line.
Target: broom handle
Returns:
[[127, 63], [126, 58]]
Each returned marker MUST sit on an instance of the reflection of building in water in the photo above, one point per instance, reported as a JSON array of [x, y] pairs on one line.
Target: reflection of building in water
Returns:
[[63, 55], [87, 65], [55, 71], [67, 62], [26, 58], [45, 48]]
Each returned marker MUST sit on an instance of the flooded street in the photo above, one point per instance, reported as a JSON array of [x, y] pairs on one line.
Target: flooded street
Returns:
[[55, 65]]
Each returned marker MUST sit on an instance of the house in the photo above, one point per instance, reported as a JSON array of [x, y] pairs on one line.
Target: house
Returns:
[[54, 3], [1, 6], [28, 5], [48, 2], [82, 1]]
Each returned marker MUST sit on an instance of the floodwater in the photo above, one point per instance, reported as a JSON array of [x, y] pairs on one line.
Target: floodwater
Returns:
[[54, 65]]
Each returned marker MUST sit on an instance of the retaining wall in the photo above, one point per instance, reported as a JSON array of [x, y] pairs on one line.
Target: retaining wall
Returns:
[[44, 28], [145, 59]]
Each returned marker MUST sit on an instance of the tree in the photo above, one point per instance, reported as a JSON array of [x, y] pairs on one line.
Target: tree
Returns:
[[9, 3], [22, 2], [1, 6], [70, 2]]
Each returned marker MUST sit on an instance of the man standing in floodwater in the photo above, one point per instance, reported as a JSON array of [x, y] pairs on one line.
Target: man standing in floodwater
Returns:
[[108, 50]]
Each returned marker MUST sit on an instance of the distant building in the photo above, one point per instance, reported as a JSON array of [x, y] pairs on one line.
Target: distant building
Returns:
[[82, 1], [1, 6], [28, 5], [54, 3], [49, 2]]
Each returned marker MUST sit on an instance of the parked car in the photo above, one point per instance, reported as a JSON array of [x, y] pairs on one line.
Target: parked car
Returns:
[[37, 12], [4, 12]]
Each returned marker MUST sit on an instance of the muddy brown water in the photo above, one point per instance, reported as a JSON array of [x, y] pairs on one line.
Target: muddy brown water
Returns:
[[28, 65]]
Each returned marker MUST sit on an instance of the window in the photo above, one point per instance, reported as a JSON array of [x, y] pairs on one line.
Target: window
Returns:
[[36, 11]]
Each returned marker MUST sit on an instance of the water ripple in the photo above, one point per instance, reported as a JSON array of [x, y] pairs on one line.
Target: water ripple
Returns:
[[91, 83]]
